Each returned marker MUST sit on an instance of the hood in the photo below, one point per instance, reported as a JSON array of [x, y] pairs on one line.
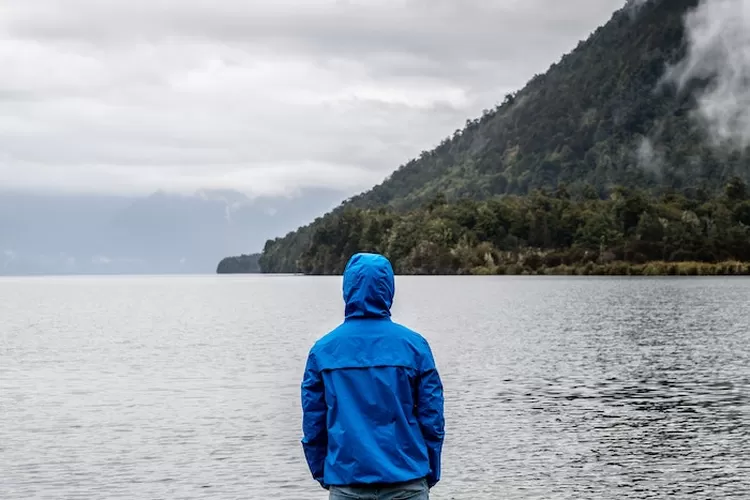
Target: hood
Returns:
[[368, 286]]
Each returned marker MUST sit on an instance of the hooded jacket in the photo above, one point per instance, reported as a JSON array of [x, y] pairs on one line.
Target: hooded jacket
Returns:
[[372, 398]]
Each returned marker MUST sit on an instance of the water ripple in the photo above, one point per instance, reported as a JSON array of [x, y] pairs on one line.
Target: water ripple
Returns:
[[187, 388]]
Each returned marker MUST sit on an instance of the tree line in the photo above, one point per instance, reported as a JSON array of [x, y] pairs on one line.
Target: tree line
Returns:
[[239, 265], [627, 232]]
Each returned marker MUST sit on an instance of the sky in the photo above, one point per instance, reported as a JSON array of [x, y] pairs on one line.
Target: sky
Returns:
[[265, 97]]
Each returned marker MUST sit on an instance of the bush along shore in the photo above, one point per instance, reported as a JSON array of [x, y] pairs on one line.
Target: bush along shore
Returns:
[[630, 232], [657, 268]]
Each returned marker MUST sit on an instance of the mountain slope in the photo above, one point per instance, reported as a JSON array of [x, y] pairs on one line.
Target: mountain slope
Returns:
[[584, 121], [601, 117]]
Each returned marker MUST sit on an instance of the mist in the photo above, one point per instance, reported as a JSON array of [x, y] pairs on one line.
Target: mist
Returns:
[[650, 158], [718, 51]]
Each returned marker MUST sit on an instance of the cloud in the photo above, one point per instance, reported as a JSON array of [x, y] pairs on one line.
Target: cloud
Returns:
[[264, 97], [718, 51]]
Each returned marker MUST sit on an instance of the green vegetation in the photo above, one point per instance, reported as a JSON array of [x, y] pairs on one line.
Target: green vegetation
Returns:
[[239, 265], [629, 233], [595, 167]]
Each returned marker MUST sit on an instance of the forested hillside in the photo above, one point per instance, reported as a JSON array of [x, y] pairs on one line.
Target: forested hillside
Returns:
[[600, 121], [243, 264], [629, 233]]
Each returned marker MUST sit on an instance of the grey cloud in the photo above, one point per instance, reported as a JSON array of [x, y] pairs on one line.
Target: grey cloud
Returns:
[[263, 97], [435, 30]]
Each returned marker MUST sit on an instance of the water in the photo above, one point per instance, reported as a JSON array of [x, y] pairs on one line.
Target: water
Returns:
[[556, 388]]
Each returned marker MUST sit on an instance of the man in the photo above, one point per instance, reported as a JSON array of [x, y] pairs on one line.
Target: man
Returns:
[[372, 398]]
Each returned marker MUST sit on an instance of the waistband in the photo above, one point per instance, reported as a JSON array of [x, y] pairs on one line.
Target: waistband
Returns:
[[380, 486]]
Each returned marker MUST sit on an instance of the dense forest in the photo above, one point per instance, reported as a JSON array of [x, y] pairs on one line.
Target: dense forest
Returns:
[[630, 232], [243, 264], [600, 128]]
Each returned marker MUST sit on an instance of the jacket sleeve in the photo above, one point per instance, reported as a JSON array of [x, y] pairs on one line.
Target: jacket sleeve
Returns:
[[430, 413], [315, 433]]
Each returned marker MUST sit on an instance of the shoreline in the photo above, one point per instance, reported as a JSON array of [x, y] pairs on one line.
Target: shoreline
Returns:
[[622, 268]]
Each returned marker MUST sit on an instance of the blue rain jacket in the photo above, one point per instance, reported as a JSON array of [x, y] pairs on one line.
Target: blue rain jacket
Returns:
[[372, 398]]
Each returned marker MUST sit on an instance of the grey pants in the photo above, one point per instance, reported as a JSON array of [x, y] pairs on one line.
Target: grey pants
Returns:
[[415, 490]]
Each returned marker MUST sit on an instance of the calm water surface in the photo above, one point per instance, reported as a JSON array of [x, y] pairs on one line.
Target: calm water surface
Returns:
[[187, 388]]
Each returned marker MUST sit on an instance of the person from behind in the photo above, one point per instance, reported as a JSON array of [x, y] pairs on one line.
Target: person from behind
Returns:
[[372, 398]]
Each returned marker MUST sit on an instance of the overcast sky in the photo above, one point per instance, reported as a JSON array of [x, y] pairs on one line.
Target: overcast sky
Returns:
[[262, 96]]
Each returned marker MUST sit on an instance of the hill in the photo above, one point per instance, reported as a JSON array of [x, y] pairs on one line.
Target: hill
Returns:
[[604, 116], [244, 264], [589, 120]]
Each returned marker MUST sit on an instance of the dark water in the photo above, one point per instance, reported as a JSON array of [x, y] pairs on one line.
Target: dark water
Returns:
[[556, 388]]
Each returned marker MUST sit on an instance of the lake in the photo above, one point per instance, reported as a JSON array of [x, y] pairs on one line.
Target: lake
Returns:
[[556, 388]]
